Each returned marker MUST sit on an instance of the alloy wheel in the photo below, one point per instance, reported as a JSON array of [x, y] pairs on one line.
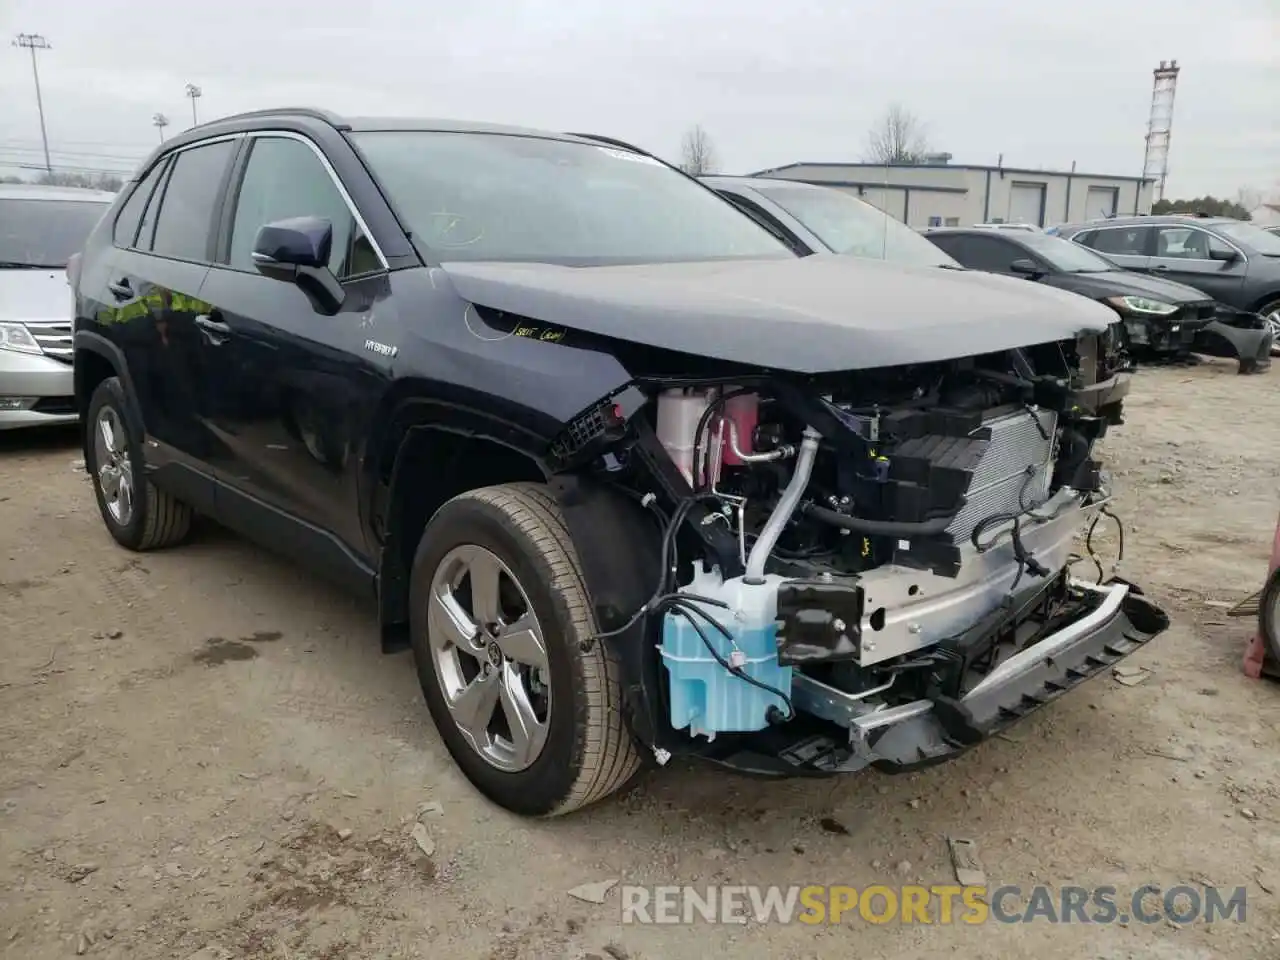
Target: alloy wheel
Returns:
[[490, 657], [115, 470], [1273, 322]]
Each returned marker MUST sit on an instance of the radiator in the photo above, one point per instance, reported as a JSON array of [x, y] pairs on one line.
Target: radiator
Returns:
[[1014, 472]]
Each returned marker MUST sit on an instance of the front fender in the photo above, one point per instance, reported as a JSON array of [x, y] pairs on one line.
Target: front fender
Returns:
[[618, 545]]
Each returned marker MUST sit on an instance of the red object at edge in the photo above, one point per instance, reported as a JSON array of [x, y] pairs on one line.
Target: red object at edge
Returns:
[[1255, 655]]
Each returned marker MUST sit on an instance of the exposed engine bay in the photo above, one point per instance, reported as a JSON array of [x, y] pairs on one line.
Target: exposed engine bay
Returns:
[[838, 546]]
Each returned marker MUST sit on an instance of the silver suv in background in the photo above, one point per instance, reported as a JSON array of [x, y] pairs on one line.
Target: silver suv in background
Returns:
[[1234, 262], [40, 229]]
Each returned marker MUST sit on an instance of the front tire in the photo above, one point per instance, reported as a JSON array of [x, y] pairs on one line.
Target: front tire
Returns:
[[138, 515], [499, 616]]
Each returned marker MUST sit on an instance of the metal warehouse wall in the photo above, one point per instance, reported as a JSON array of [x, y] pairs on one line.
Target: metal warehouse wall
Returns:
[[1067, 198], [959, 196]]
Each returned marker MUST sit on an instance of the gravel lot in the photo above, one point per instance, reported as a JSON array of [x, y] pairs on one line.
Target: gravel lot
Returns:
[[202, 754]]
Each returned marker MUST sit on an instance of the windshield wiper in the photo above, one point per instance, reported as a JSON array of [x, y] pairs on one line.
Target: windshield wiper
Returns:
[[22, 265]]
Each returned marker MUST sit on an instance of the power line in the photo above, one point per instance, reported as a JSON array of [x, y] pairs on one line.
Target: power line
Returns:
[[78, 154], [34, 42], [67, 168], [122, 150], [113, 144]]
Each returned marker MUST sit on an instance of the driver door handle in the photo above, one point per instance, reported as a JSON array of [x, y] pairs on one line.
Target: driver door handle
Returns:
[[215, 331]]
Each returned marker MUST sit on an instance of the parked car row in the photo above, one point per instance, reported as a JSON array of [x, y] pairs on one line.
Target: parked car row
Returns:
[[1236, 263], [1180, 284], [1227, 305], [1161, 318]]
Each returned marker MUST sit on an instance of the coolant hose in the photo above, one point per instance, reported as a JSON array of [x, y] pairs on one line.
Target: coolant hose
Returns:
[[787, 504], [879, 528]]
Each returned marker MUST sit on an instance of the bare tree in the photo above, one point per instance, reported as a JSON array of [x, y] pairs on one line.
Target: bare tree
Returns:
[[1249, 198], [697, 153], [898, 137], [94, 181]]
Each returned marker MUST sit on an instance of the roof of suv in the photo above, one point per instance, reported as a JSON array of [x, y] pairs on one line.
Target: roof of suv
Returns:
[[264, 118], [40, 191], [1164, 220], [310, 116]]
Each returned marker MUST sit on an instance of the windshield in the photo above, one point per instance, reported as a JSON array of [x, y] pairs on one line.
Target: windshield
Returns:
[[848, 225], [481, 196], [1267, 244], [1064, 255], [45, 233]]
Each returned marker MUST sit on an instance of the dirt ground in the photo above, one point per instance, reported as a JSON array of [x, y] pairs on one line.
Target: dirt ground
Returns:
[[203, 755]]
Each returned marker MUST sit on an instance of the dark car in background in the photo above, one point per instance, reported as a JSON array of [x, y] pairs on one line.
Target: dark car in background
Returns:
[[1236, 263], [812, 219], [1161, 317]]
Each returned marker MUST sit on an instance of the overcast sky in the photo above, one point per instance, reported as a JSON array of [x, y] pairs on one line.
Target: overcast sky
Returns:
[[773, 82]]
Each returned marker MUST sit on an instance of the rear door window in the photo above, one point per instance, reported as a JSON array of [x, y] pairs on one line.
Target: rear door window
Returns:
[[991, 254], [130, 218], [184, 228], [1122, 241]]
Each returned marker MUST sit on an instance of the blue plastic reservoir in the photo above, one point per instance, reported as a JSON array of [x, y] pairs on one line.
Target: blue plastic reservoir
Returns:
[[705, 697]]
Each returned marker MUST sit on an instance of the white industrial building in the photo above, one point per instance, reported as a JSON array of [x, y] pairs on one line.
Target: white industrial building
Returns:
[[937, 193]]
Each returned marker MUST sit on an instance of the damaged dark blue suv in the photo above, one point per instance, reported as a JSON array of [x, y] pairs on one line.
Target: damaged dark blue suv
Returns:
[[629, 477]]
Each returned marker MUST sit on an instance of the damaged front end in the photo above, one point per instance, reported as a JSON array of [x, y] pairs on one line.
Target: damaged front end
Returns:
[[858, 568]]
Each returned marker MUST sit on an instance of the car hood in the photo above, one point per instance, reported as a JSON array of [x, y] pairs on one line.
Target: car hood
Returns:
[[1122, 283], [805, 315], [34, 295]]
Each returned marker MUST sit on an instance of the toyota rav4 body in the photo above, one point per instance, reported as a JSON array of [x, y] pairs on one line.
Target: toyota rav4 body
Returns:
[[629, 477]]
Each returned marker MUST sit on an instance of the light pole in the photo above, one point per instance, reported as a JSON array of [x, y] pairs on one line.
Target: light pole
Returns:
[[195, 93], [160, 121], [34, 42]]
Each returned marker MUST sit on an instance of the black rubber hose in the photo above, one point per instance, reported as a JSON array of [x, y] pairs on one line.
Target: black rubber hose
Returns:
[[878, 528]]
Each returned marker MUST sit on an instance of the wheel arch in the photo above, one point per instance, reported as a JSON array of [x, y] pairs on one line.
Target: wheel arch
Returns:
[[426, 449], [95, 359], [1272, 297], [430, 464], [616, 539]]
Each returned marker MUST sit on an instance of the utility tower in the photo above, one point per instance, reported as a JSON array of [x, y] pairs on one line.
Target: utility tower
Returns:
[[34, 42], [1155, 164]]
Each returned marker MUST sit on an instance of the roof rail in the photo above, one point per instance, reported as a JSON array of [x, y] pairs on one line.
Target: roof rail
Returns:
[[313, 113], [612, 142]]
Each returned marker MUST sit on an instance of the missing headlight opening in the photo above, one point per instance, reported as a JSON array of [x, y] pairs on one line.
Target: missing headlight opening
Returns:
[[874, 566]]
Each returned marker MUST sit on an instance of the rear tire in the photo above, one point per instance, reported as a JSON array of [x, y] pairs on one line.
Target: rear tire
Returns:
[[138, 515], [582, 751]]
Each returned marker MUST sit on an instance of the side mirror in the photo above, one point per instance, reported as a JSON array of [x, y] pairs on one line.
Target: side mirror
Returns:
[[1223, 254], [1026, 266], [297, 251]]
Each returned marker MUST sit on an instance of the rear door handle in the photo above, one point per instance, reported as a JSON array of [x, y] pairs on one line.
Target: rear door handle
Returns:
[[215, 331], [1160, 266], [120, 289]]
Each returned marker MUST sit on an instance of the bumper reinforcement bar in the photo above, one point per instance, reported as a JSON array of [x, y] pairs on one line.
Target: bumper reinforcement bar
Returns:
[[925, 732]]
